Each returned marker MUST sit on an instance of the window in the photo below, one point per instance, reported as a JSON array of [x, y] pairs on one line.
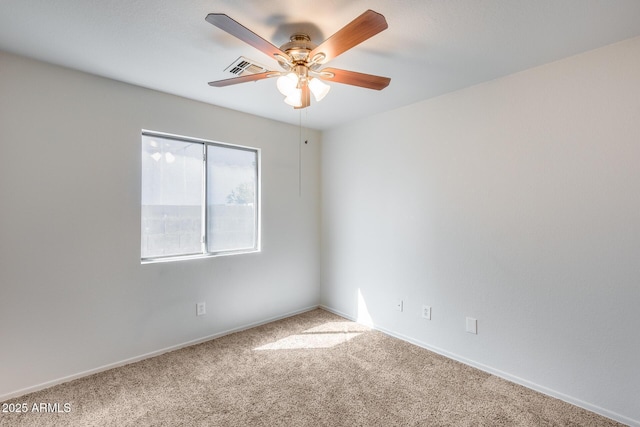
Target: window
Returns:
[[199, 198]]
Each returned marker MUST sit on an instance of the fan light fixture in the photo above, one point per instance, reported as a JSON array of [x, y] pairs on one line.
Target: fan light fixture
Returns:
[[290, 85]]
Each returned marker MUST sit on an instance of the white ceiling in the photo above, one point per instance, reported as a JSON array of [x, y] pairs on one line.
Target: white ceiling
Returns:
[[430, 48]]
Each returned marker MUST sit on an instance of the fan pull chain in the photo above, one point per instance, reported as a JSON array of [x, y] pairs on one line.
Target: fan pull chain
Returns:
[[300, 154]]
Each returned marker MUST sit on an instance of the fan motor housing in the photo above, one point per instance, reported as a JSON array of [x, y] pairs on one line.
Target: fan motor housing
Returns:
[[298, 47]]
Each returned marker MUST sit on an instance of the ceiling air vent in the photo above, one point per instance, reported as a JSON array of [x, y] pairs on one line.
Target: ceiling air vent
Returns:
[[243, 66]]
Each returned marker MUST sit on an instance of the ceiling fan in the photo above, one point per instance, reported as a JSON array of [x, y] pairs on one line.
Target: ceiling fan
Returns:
[[302, 60]]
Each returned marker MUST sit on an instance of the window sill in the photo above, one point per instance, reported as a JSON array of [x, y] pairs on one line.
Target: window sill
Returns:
[[197, 256]]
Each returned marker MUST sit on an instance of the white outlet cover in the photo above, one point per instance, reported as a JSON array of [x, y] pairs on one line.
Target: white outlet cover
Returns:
[[399, 305], [472, 325], [201, 309], [426, 312]]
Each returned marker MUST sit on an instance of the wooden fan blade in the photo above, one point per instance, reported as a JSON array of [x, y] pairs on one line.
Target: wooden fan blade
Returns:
[[368, 81], [237, 30], [306, 98], [360, 29], [243, 79]]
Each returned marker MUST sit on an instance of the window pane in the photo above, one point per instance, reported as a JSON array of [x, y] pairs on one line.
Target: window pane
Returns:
[[231, 199], [171, 197]]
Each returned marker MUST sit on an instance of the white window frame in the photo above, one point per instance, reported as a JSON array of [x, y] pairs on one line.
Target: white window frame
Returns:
[[204, 247]]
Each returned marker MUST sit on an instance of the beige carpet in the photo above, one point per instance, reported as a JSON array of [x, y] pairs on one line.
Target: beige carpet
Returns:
[[314, 369]]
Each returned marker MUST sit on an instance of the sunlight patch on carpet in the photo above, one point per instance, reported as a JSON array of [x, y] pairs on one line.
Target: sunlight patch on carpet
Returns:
[[294, 342], [326, 335]]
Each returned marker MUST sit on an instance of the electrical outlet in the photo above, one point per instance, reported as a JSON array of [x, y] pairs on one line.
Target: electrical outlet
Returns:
[[399, 305], [426, 312], [472, 325], [201, 309]]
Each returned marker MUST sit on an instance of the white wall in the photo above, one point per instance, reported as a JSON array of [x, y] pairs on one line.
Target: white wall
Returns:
[[73, 295], [516, 202]]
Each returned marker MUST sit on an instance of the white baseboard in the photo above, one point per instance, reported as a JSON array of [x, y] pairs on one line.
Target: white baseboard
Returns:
[[544, 390], [134, 359]]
